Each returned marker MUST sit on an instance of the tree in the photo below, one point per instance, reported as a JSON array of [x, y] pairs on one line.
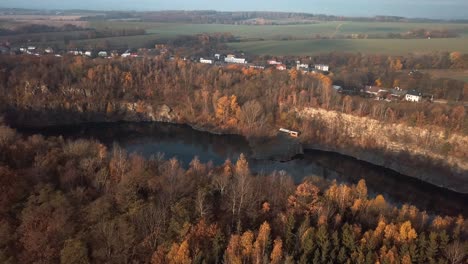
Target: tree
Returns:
[[252, 115], [432, 247], [246, 242], [361, 189], [241, 189], [233, 251], [455, 252], [45, 225], [407, 233], [277, 252], [74, 252], [261, 243], [179, 254], [323, 243]]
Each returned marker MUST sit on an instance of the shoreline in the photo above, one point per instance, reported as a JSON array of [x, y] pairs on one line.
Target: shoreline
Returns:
[[376, 160]]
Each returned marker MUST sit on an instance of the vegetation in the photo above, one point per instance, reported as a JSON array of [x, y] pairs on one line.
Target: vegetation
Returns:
[[282, 39], [365, 46], [234, 99], [77, 202]]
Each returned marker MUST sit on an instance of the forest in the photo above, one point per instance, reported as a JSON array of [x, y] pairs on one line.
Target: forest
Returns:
[[76, 201], [223, 96]]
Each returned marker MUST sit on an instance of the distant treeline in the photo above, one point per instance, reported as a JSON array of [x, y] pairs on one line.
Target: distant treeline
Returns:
[[37, 28], [246, 17], [66, 34]]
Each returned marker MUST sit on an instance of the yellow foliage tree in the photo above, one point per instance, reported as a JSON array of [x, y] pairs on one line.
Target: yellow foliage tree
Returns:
[[407, 233], [277, 252], [233, 251], [179, 254], [246, 242], [378, 82], [261, 243]]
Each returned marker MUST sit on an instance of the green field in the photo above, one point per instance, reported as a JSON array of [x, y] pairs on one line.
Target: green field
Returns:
[[327, 29], [366, 46], [270, 39]]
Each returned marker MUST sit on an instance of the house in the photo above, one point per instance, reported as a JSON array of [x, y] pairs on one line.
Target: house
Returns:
[[49, 50], [375, 91], [31, 48], [88, 53], [233, 59], [102, 54], [129, 53], [397, 93], [202, 60], [257, 67], [217, 56], [303, 66], [322, 67], [274, 62], [281, 67], [75, 52], [413, 96]]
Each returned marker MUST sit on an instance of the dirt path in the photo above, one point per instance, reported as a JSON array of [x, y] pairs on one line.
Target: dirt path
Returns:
[[338, 27]]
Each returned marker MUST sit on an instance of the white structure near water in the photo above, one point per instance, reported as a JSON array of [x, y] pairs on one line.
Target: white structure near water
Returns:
[[290, 132]]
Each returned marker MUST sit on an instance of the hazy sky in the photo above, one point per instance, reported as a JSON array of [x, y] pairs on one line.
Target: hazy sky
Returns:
[[410, 8]]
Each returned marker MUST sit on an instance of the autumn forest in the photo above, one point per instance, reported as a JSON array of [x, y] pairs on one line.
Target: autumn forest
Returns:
[[79, 201]]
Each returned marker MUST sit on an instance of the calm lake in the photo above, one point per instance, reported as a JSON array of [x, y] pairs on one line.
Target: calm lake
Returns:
[[184, 143]]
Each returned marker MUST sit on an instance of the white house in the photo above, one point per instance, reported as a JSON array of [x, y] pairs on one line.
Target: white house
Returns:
[[257, 67], [281, 67], [413, 96], [322, 67], [274, 62], [217, 56], [232, 59], [88, 53], [202, 60], [102, 54], [49, 50], [302, 66]]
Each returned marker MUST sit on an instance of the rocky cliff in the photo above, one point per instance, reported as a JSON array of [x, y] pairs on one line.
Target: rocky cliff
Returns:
[[429, 154]]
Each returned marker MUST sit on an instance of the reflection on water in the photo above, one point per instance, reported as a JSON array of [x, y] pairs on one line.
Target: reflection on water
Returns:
[[185, 143]]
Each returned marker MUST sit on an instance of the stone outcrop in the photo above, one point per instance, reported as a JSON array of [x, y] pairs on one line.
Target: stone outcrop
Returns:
[[428, 154]]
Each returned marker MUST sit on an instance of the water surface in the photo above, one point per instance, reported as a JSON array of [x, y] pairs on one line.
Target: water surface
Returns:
[[184, 143]]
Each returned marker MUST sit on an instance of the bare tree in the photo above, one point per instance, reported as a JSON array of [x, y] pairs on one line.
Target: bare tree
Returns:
[[456, 252], [252, 114]]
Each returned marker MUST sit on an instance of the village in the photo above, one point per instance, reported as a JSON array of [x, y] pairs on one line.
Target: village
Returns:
[[374, 92]]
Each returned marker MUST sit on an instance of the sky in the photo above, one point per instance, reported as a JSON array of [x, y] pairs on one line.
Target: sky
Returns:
[[441, 9]]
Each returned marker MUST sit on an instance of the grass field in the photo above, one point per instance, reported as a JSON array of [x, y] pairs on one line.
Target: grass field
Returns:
[[366, 46], [272, 31], [268, 39]]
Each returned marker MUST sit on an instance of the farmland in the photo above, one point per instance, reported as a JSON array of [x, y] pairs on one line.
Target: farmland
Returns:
[[366, 46], [300, 39], [325, 29]]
